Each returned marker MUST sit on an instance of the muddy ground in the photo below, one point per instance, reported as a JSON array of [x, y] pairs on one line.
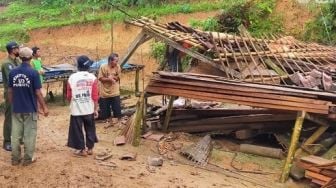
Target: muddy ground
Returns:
[[58, 167]]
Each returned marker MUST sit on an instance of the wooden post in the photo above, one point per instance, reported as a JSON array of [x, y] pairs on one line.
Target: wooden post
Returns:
[[168, 113], [137, 77], [138, 121], [294, 140], [64, 91], [144, 114]]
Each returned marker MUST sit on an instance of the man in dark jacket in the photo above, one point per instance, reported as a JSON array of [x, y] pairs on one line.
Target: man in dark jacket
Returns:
[[7, 65]]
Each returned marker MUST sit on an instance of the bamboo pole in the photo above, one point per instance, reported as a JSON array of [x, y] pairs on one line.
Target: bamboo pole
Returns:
[[294, 140], [138, 122]]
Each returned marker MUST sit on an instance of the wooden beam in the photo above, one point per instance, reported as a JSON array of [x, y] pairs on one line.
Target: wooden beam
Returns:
[[249, 101], [275, 67], [220, 98], [140, 39], [324, 126], [294, 140], [191, 52]]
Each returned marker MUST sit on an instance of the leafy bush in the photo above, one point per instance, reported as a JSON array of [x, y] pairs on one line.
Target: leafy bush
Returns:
[[256, 15], [210, 24], [158, 51], [323, 28]]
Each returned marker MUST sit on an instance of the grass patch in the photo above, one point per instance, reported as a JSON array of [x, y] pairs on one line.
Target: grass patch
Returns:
[[21, 17], [219, 156], [270, 163]]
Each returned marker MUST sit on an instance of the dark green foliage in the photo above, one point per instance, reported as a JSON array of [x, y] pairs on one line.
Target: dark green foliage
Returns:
[[323, 28], [255, 15]]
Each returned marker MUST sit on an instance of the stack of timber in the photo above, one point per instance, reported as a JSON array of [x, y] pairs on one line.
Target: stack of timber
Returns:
[[321, 171], [213, 88], [269, 59], [246, 123]]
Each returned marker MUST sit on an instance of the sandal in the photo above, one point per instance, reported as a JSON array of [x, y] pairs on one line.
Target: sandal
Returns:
[[28, 162], [80, 153], [108, 126], [89, 152]]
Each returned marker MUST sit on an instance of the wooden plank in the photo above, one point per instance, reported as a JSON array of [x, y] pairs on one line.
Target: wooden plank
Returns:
[[310, 102], [314, 175], [243, 90], [319, 182], [224, 127], [217, 112], [204, 92], [289, 90], [239, 119], [213, 97], [316, 160]]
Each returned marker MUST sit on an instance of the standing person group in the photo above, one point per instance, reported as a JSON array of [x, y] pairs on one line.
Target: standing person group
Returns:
[[82, 92], [24, 92], [22, 77]]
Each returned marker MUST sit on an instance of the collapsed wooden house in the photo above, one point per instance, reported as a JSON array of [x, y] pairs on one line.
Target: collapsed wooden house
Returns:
[[273, 72]]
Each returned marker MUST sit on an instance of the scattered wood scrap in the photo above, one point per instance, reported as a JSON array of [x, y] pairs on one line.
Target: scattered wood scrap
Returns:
[[321, 171]]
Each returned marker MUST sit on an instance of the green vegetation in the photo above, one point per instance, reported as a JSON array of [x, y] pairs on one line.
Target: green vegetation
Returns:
[[22, 16], [323, 28], [210, 24], [158, 51], [255, 15]]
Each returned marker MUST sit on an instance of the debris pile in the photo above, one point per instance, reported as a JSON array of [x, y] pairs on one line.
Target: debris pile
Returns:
[[280, 79], [269, 60], [321, 171]]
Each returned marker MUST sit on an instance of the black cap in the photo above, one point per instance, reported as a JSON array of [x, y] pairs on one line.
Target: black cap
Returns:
[[84, 62], [11, 45]]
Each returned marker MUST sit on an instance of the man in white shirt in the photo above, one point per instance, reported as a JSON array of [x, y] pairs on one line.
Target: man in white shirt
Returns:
[[82, 92]]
